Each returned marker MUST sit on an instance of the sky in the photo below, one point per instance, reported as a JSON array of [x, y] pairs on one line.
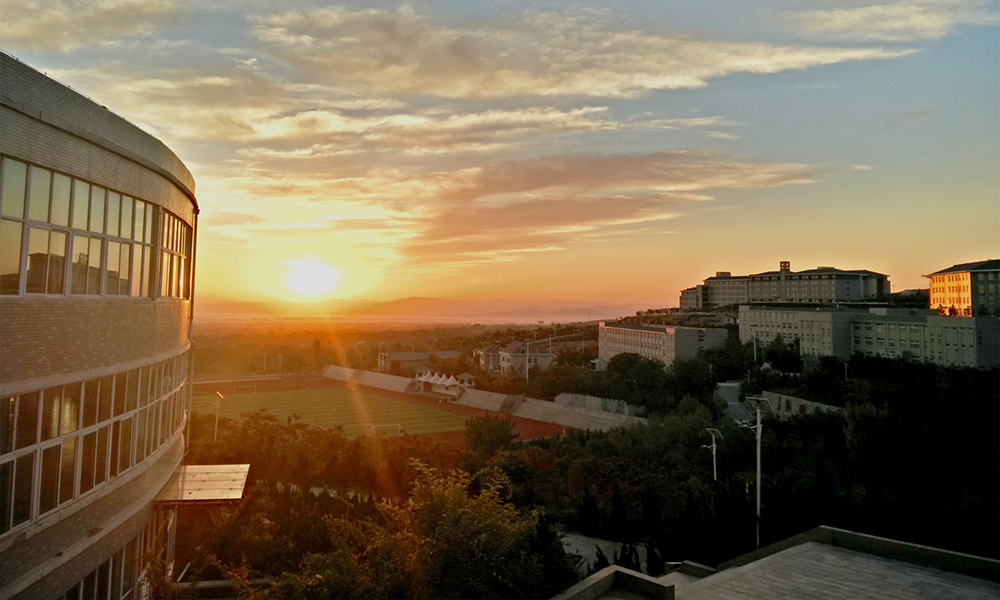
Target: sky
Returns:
[[616, 151]]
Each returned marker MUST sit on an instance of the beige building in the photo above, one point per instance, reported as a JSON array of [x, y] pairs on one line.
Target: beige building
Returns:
[[721, 290], [912, 334], [969, 288], [815, 286], [657, 341]]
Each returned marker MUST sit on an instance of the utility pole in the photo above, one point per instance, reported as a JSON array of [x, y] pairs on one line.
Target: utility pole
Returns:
[[758, 430], [280, 356], [713, 432]]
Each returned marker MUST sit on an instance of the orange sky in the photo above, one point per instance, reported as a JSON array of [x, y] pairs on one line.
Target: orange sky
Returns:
[[616, 152]]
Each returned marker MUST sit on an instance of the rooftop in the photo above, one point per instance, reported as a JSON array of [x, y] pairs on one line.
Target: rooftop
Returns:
[[985, 265]]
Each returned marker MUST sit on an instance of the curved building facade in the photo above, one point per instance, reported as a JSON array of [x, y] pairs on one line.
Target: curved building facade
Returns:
[[97, 238]]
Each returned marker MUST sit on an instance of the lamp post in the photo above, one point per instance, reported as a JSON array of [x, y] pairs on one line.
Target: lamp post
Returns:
[[758, 430], [713, 432], [215, 437]]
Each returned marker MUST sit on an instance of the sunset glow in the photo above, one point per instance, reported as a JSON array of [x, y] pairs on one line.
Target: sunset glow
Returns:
[[616, 152], [311, 279]]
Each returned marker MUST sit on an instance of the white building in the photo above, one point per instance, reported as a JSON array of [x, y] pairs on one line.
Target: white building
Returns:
[[658, 342], [516, 354], [913, 334]]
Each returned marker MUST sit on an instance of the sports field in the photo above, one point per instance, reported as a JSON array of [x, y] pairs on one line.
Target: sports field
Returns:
[[355, 411]]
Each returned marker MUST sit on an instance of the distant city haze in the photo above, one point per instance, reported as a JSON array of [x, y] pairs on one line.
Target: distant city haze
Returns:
[[590, 153]]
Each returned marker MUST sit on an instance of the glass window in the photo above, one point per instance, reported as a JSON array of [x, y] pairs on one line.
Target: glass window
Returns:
[[125, 460], [81, 204], [116, 433], [6, 494], [38, 260], [101, 466], [57, 262], [140, 436], [140, 219], [147, 271], [94, 268], [137, 271], [148, 238], [50, 413], [132, 390], [40, 184], [27, 421], [120, 384], [70, 408], [114, 210], [114, 256], [126, 228], [81, 260], [104, 406], [103, 572], [49, 492], [61, 185], [7, 406], [67, 475], [116, 576], [10, 256], [87, 463], [13, 177], [97, 209], [124, 262], [24, 470]]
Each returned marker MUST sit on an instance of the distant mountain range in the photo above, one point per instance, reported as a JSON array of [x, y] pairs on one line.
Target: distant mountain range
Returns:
[[423, 309]]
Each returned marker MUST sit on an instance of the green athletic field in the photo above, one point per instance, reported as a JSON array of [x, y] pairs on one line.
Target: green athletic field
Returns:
[[355, 411]]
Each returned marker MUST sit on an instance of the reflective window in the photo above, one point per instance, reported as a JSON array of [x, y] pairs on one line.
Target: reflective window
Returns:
[[81, 204], [114, 212], [48, 497], [57, 263], [27, 421], [94, 268], [81, 262], [13, 177], [24, 469], [10, 256], [67, 475], [38, 260], [126, 220], [114, 266], [97, 209], [61, 185], [39, 186]]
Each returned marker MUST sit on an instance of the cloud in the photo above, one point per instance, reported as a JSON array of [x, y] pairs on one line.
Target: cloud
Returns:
[[537, 54], [66, 25], [901, 21]]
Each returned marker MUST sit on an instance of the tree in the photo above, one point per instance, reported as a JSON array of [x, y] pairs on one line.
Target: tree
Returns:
[[441, 543], [485, 436]]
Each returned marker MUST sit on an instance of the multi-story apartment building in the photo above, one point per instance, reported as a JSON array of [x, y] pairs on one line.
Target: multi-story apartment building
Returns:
[[658, 342], [968, 288], [97, 231], [815, 286], [913, 334], [721, 290]]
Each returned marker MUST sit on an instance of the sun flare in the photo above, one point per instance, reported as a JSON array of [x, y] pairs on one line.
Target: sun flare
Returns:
[[311, 278]]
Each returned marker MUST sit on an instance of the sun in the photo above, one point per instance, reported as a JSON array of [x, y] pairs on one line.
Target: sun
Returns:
[[311, 278]]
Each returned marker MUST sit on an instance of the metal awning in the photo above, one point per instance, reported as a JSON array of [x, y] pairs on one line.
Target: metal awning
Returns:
[[204, 485]]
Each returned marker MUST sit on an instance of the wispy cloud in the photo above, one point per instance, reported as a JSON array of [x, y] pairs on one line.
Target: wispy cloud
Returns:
[[575, 52], [66, 25], [901, 21]]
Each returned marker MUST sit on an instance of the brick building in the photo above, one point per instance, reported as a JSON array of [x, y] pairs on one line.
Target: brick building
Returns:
[[664, 343], [97, 228], [967, 289]]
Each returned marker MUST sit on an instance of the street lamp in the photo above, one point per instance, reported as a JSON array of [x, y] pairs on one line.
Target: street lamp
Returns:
[[714, 432], [215, 437], [758, 430]]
